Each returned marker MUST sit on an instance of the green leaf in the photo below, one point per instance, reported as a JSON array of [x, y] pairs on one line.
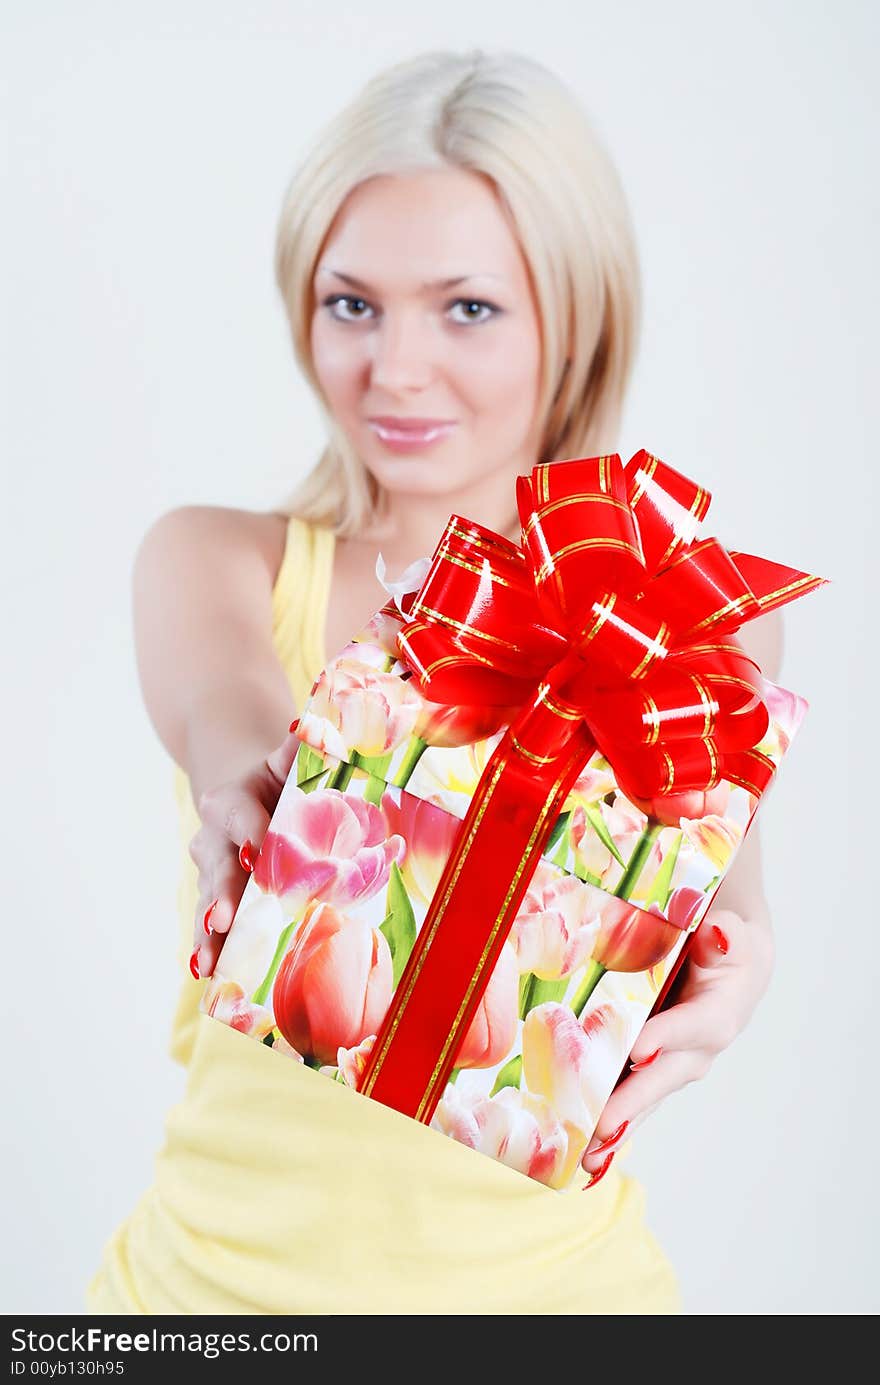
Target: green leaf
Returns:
[[587, 876], [309, 765], [341, 776], [509, 1076], [559, 827], [415, 749], [309, 785], [399, 925], [375, 789], [373, 764], [560, 856], [661, 888], [547, 990], [597, 822], [533, 990], [525, 990]]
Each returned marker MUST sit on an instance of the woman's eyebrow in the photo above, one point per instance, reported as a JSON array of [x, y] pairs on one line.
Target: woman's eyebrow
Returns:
[[427, 284]]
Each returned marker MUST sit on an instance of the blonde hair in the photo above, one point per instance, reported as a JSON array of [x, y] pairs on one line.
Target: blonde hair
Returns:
[[509, 118]]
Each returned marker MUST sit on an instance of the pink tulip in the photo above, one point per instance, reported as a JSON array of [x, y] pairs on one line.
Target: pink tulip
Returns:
[[351, 1062], [625, 824], [226, 1001], [574, 1064], [632, 939], [325, 845], [682, 906], [554, 931], [280, 1045], [429, 833], [356, 706], [450, 724], [493, 1027], [382, 629], [714, 837], [695, 803], [787, 711], [334, 985], [515, 1127], [592, 784], [363, 652]]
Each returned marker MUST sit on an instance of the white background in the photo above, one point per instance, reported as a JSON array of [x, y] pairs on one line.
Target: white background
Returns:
[[146, 364]]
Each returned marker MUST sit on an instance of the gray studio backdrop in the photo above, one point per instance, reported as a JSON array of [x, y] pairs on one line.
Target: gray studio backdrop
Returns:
[[146, 364]]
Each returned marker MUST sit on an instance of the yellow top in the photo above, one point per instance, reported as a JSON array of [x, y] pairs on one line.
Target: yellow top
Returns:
[[279, 1191]]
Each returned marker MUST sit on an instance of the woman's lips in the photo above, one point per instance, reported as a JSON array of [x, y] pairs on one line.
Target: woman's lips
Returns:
[[404, 439]]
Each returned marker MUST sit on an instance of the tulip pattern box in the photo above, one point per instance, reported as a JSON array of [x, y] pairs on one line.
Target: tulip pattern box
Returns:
[[350, 863]]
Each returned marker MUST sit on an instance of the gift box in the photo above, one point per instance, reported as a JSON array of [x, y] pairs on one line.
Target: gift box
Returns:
[[517, 792]]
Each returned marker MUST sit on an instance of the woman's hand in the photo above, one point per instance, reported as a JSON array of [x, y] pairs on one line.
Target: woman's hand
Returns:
[[727, 970], [235, 816]]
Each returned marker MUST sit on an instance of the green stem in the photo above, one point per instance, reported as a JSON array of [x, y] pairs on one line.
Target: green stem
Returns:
[[261, 994], [637, 861], [595, 972], [535, 990], [414, 752], [525, 992], [341, 776]]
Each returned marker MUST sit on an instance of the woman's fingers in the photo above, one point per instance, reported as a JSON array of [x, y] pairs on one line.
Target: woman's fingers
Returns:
[[235, 813], [233, 828], [234, 819], [602, 1144], [277, 768], [721, 937], [696, 1023], [638, 1095]]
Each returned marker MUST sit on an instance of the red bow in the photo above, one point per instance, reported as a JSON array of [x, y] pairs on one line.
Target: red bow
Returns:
[[613, 613], [612, 626]]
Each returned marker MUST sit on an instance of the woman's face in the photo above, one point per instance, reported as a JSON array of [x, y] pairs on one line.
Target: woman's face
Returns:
[[435, 384]]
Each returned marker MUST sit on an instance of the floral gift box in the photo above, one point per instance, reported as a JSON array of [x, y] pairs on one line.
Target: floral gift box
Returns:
[[509, 810]]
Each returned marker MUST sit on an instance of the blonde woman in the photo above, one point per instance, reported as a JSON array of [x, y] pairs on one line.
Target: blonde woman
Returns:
[[457, 265]]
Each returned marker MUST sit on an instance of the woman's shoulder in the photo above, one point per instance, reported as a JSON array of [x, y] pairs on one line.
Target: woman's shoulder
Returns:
[[227, 529]]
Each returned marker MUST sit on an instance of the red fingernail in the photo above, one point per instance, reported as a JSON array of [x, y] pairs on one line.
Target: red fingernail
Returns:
[[248, 854], [646, 1062], [600, 1173], [611, 1140], [194, 964], [720, 940], [293, 725], [208, 912]]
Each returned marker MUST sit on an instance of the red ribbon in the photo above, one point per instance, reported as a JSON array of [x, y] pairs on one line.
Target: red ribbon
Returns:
[[613, 626]]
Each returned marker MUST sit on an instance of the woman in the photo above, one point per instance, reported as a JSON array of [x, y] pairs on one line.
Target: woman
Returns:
[[459, 273]]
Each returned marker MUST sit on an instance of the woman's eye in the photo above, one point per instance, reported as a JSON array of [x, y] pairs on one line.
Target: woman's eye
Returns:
[[358, 310], [488, 309], [338, 299]]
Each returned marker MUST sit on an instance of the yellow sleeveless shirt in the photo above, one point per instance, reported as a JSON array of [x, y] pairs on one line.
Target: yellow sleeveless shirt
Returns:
[[279, 1191]]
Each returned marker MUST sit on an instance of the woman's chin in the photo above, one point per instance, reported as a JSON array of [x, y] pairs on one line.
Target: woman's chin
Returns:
[[414, 475]]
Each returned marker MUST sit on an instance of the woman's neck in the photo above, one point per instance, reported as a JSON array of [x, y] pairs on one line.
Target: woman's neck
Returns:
[[409, 526]]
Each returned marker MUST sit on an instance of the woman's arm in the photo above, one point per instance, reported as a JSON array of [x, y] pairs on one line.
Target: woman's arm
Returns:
[[212, 683], [742, 889], [728, 968]]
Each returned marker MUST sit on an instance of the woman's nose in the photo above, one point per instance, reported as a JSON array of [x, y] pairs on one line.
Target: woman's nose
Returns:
[[403, 353]]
